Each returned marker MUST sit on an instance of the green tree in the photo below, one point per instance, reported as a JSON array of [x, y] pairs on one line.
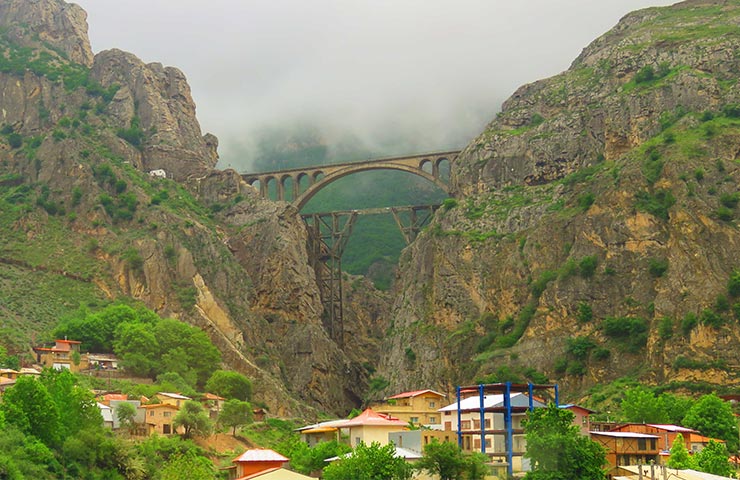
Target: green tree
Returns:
[[373, 462], [713, 417], [714, 459], [557, 450], [447, 461], [187, 466], [25, 457], [308, 460], [200, 355], [126, 415], [235, 413], [193, 419], [230, 384], [28, 406], [76, 405], [138, 348], [680, 458], [641, 405]]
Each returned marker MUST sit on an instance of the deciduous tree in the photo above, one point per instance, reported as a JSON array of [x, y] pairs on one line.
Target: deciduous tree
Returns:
[[373, 462], [193, 419], [230, 384], [447, 461], [235, 413], [680, 458], [714, 459], [557, 450], [29, 407], [713, 417]]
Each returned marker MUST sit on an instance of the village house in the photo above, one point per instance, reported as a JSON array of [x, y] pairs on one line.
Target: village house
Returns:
[[582, 417], [628, 448], [257, 461], [321, 432], [64, 355], [213, 404], [419, 407], [159, 418], [8, 373], [174, 399], [371, 426], [694, 441]]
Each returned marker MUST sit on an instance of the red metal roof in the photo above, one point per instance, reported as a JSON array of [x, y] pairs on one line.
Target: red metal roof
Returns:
[[371, 417], [415, 393], [260, 455]]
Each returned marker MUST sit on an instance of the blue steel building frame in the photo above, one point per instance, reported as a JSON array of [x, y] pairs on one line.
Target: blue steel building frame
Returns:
[[506, 389]]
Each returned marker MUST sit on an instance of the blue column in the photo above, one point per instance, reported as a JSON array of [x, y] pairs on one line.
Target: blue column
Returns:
[[531, 396], [557, 396], [459, 420], [482, 419], [509, 429]]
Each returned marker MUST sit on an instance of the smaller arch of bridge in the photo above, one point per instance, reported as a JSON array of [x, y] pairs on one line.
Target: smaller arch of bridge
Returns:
[[306, 196]]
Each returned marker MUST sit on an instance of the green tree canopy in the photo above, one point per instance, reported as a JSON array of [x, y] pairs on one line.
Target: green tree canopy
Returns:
[[373, 462], [187, 466], [680, 458], [557, 450], [24, 456], [193, 419], [713, 417], [28, 406], [714, 459], [76, 405], [448, 462], [230, 384], [308, 460], [235, 413], [126, 414], [641, 405]]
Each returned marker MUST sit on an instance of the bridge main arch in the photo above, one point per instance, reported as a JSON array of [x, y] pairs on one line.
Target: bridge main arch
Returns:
[[311, 191], [427, 166]]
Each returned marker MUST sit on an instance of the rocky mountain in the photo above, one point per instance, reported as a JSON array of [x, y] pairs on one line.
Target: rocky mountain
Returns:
[[594, 231], [83, 221]]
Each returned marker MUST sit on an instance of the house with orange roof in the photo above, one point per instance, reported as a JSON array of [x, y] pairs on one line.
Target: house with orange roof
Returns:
[[321, 432], [213, 404], [418, 407], [276, 474], [371, 426], [256, 461], [64, 355], [159, 418]]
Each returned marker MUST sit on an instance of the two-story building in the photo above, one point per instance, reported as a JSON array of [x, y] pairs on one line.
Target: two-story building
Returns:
[[174, 399], [628, 448], [159, 418], [371, 426], [64, 355], [694, 441], [419, 407]]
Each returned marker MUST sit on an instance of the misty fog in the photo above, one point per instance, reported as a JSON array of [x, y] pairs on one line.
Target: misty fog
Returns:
[[360, 77]]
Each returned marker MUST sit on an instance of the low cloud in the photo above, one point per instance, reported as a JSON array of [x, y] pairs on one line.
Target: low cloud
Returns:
[[395, 76]]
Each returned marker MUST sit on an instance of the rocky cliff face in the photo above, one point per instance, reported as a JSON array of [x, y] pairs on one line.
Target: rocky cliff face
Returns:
[[595, 231], [79, 136]]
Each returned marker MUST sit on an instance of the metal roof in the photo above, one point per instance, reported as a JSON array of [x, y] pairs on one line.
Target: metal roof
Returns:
[[260, 455], [415, 393], [624, 434]]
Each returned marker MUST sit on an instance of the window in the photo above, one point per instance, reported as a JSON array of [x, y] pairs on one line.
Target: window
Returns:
[[166, 414], [641, 444], [652, 444], [166, 429], [432, 420], [357, 440], [414, 419], [151, 413], [432, 404], [465, 425]]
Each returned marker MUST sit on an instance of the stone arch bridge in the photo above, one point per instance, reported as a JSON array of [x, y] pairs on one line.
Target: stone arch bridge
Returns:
[[299, 185], [330, 231]]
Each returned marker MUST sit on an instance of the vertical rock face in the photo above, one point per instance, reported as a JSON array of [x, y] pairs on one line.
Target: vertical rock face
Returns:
[[626, 162], [32, 23], [159, 99], [199, 245]]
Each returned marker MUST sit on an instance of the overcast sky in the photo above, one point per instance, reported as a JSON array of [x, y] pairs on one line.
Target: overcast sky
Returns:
[[396, 74]]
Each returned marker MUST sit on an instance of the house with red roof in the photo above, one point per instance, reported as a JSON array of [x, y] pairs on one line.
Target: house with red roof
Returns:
[[418, 407], [64, 355], [371, 426], [256, 461]]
